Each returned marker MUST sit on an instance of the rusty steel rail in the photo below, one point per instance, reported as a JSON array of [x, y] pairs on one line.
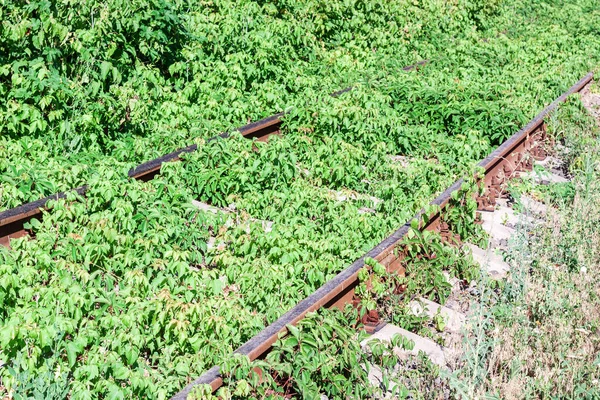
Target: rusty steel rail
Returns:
[[519, 151], [12, 220], [513, 155], [260, 130]]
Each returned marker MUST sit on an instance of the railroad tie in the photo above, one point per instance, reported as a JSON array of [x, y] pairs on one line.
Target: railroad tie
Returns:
[[495, 266], [453, 320], [434, 352]]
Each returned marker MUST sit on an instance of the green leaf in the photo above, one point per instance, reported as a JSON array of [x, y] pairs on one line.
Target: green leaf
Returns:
[[105, 68], [73, 350], [120, 371], [294, 331]]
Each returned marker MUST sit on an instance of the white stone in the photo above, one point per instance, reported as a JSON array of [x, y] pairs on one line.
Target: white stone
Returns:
[[544, 177], [505, 214], [423, 307], [375, 377], [402, 160], [492, 224], [452, 280], [490, 262], [345, 195], [366, 210], [549, 162], [532, 206], [211, 243], [434, 351], [206, 207], [267, 225]]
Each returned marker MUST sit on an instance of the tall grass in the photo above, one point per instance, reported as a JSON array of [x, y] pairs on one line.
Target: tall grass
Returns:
[[537, 335]]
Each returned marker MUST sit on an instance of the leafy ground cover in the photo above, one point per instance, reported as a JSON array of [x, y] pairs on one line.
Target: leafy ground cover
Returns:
[[119, 294], [93, 86], [538, 335], [136, 80], [535, 335], [135, 295]]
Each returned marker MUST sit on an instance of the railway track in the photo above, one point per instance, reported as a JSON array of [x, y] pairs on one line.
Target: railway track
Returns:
[[12, 221], [514, 156]]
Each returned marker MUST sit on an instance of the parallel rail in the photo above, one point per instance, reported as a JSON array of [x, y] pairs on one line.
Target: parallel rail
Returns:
[[12, 221], [514, 155]]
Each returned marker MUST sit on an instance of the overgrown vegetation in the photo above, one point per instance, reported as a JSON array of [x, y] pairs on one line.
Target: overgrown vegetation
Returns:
[[323, 357], [131, 291], [91, 86], [539, 336]]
